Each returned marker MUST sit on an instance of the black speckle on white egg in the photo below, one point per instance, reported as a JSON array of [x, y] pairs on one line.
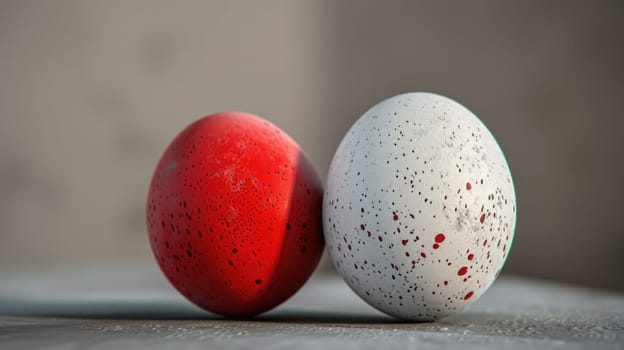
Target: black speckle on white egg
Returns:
[[419, 209]]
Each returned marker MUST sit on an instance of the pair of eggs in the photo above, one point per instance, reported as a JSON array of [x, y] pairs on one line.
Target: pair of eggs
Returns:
[[418, 213]]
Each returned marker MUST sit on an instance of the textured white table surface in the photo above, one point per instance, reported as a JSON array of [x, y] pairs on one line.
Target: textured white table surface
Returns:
[[133, 307]]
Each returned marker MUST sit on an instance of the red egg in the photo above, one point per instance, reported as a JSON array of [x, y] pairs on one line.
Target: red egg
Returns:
[[234, 214]]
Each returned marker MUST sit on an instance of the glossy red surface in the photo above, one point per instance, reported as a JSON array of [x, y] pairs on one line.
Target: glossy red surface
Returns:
[[234, 214]]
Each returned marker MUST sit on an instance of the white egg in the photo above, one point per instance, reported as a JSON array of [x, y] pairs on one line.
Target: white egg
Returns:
[[419, 210]]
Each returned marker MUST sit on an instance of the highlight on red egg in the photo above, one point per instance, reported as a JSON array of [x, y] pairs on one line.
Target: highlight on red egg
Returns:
[[234, 214]]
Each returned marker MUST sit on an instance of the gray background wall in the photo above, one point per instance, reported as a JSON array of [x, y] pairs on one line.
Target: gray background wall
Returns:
[[92, 91]]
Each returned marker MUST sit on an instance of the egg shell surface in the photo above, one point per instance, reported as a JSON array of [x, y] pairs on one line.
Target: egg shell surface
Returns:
[[419, 208], [234, 214]]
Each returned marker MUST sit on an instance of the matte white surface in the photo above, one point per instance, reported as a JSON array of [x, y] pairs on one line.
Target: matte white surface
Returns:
[[419, 209]]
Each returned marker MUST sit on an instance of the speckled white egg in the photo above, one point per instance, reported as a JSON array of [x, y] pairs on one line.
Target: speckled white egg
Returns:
[[419, 210]]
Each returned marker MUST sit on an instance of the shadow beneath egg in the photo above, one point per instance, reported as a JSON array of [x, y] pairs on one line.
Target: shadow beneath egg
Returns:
[[163, 312], [172, 311], [564, 325], [325, 317], [105, 310]]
